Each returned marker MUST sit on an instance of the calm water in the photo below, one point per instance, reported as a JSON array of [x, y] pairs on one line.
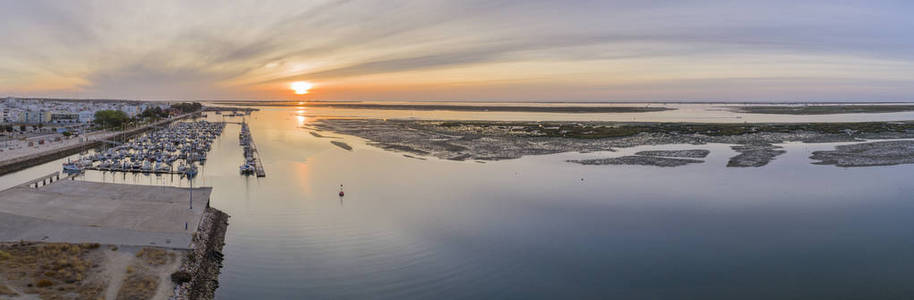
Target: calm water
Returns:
[[682, 112], [539, 227]]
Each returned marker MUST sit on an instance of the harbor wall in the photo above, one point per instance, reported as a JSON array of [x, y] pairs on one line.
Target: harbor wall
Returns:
[[202, 265]]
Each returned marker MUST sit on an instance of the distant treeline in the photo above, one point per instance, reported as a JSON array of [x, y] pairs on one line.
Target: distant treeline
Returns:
[[117, 118]]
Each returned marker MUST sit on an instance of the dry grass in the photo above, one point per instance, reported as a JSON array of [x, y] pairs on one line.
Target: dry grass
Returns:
[[6, 291], [51, 270], [155, 256], [5, 255], [138, 286], [142, 281], [74, 271]]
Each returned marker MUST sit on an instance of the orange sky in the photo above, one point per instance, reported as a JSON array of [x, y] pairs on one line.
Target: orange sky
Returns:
[[458, 50]]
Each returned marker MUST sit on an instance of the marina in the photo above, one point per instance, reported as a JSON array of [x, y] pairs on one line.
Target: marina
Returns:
[[316, 236], [175, 149]]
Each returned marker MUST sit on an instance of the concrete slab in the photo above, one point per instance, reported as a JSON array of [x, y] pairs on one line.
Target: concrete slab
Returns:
[[121, 214]]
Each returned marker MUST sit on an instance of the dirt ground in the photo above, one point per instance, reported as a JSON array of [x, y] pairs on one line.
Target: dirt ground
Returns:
[[86, 271]]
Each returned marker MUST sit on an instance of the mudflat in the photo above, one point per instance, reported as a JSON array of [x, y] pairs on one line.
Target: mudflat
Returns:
[[497, 140]]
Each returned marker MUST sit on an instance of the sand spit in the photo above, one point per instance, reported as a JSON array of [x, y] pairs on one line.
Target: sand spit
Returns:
[[639, 161], [696, 153], [321, 136], [867, 154], [497, 140], [342, 145]]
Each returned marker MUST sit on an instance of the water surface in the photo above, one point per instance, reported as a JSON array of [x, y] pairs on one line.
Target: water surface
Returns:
[[539, 227]]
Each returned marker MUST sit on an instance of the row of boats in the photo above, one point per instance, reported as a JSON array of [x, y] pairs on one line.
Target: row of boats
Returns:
[[176, 149], [244, 139]]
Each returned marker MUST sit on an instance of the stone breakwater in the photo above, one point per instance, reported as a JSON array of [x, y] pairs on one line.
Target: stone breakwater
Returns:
[[199, 273]]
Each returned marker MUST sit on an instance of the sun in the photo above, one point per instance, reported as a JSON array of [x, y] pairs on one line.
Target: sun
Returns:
[[301, 87]]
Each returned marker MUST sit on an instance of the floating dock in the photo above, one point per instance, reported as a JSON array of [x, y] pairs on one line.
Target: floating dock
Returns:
[[258, 166], [171, 172], [251, 156]]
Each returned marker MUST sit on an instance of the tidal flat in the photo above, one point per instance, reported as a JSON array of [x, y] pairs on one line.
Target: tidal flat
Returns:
[[499, 140], [636, 160], [885, 153]]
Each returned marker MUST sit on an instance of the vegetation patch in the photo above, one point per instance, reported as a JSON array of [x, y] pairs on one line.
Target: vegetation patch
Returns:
[[138, 285], [6, 291], [49, 270], [155, 256]]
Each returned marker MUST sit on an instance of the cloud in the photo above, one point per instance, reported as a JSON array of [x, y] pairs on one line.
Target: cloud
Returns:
[[200, 49]]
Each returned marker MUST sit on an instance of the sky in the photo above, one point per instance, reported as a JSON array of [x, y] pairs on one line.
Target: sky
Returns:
[[510, 50]]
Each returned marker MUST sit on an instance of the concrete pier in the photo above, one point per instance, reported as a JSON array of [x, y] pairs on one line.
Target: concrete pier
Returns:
[[120, 214]]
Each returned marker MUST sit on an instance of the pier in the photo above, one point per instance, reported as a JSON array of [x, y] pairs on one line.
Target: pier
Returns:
[[127, 170], [252, 164], [258, 166], [74, 211]]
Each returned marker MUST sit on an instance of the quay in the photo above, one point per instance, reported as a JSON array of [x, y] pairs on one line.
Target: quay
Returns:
[[113, 224], [72, 211], [43, 180], [22, 162]]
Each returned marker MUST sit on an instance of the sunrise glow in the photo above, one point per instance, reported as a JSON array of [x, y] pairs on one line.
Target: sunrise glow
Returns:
[[301, 87]]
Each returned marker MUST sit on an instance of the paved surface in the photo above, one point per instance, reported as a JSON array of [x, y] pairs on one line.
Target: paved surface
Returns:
[[120, 214]]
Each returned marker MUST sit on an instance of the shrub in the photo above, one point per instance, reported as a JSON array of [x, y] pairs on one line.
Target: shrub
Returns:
[[43, 283], [180, 277]]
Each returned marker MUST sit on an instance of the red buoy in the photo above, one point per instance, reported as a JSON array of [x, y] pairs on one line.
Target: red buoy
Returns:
[[341, 191]]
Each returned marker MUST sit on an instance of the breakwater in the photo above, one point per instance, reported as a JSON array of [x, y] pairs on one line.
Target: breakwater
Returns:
[[199, 273]]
